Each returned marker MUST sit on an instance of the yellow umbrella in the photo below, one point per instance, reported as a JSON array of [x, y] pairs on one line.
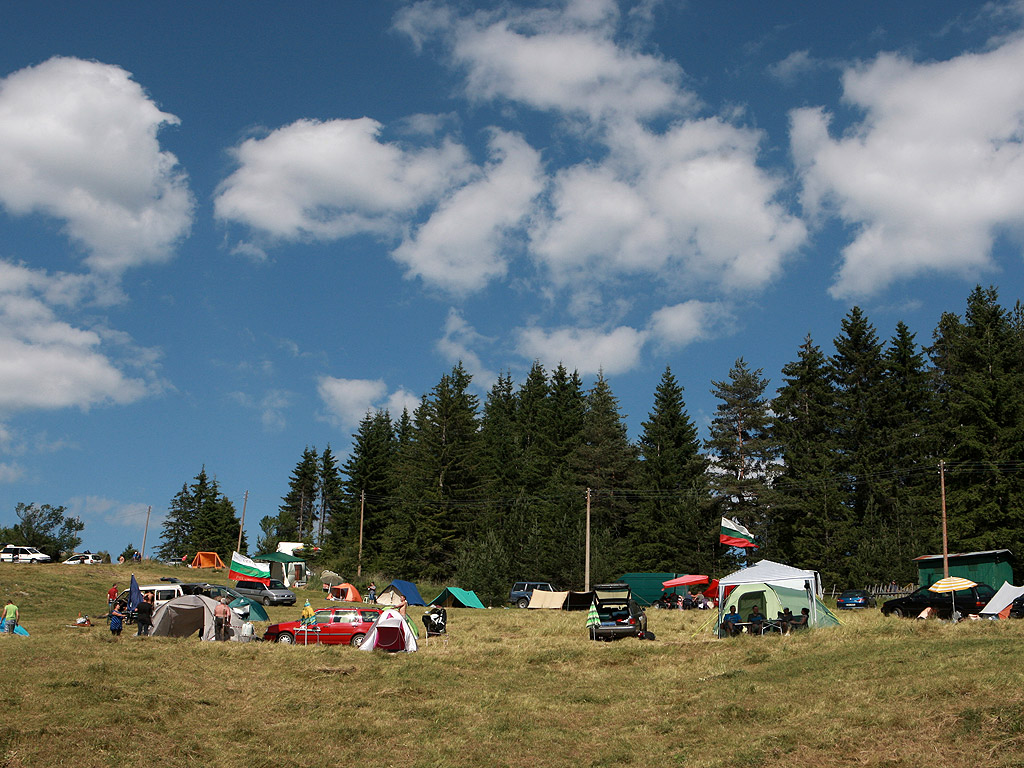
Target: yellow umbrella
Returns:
[[952, 584]]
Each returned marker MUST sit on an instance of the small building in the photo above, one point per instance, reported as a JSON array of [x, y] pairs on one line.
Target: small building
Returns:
[[991, 567]]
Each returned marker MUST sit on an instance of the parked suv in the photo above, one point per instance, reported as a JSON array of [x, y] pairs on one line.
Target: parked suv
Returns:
[[618, 612], [274, 594], [969, 600], [522, 591], [13, 554]]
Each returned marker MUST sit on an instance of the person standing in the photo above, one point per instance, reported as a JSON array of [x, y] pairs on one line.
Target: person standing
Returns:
[[371, 593], [117, 617], [111, 597], [144, 615], [11, 617], [221, 619]]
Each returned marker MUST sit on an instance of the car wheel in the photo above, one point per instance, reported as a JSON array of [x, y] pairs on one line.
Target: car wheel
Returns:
[[357, 640], [897, 612], [266, 601], [523, 602], [286, 638]]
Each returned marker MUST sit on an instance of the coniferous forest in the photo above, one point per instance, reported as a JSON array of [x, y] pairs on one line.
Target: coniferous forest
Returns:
[[836, 469]]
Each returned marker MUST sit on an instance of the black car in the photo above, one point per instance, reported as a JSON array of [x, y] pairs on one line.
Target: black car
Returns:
[[970, 600], [618, 613], [1017, 608]]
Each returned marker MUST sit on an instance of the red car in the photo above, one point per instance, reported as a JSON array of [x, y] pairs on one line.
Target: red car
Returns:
[[330, 626]]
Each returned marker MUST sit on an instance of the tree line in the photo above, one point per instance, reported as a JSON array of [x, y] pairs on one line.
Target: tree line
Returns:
[[837, 470]]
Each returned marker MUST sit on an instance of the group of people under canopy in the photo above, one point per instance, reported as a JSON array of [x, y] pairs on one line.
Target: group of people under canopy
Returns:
[[757, 623]]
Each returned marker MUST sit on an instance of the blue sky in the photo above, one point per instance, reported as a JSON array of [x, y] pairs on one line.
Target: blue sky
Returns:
[[227, 230]]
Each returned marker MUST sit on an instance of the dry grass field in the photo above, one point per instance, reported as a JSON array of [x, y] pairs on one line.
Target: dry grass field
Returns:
[[511, 688]]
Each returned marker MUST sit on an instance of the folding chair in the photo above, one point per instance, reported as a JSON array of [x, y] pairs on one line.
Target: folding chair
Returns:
[[436, 623]]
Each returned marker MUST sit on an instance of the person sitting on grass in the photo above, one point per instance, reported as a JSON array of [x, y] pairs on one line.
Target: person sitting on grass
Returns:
[[756, 619], [731, 621]]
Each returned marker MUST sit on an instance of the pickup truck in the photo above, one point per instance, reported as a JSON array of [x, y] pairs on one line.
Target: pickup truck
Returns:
[[619, 614]]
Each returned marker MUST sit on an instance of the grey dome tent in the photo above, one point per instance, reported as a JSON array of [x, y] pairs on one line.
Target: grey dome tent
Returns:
[[191, 614]]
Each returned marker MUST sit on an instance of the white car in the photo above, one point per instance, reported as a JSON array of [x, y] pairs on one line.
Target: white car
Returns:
[[88, 559], [14, 554]]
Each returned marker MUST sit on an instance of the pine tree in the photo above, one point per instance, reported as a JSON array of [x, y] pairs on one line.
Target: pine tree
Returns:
[[331, 502], [201, 519], [368, 485], [744, 449], [297, 515], [980, 377], [675, 527], [806, 519], [605, 462]]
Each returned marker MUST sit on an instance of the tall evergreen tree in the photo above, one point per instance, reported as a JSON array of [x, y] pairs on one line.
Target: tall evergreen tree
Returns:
[[980, 377], [201, 519], [744, 449], [367, 486], [297, 514], [806, 519], [605, 462], [675, 527]]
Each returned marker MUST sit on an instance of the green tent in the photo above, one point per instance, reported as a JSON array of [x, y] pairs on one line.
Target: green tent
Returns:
[[256, 611], [453, 597], [772, 599]]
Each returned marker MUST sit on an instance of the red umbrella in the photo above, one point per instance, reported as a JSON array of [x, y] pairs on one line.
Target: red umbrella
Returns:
[[682, 581]]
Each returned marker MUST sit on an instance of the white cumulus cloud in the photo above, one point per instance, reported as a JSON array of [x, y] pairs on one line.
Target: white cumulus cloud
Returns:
[[348, 400], [78, 142], [462, 246], [587, 350], [47, 362], [328, 180], [932, 173]]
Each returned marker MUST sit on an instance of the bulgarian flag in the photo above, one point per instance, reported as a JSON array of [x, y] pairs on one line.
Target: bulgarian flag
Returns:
[[735, 535], [244, 569]]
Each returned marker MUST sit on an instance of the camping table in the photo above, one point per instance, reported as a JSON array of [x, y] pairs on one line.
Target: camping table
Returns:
[[772, 625]]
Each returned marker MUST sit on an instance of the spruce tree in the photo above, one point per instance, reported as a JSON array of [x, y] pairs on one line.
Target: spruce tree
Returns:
[[297, 514], [806, 520], [367, 485], [605, 462], [674, 529], [744, 450]]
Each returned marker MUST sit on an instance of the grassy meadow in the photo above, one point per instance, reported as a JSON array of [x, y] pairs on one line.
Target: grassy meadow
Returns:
[[511, 688]]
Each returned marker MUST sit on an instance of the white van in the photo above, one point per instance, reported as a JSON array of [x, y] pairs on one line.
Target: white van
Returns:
[[14, 554], [161, 593]]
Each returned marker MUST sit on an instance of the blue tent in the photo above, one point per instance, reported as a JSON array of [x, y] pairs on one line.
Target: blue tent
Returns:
[[398, 589]]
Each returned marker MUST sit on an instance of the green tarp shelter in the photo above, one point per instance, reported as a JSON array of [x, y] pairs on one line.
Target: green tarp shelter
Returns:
[[453, 597], [285, 568], [771, 599], [646, 587]]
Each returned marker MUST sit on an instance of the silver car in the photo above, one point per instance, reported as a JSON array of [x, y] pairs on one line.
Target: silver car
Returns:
[[275, 593]]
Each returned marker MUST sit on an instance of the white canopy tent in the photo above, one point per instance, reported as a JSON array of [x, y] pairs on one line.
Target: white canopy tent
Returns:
[[1001, 599], [776, 574]]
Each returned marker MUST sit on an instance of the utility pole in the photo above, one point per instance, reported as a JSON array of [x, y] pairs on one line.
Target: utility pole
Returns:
[[241, 525], [145, 532], [362, 509], [945, 542], [586, 565]]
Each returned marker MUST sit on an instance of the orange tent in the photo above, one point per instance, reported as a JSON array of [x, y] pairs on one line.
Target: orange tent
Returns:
[[346, 592], [207, 560]]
